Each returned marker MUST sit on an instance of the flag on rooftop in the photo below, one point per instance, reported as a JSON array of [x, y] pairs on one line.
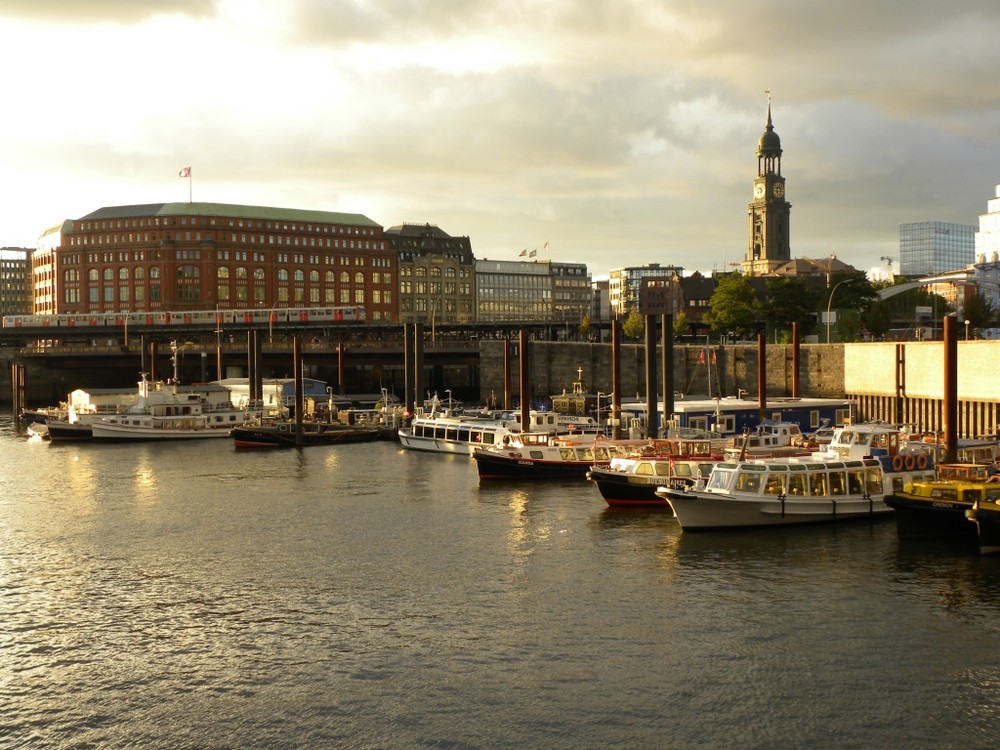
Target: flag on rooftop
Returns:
[[522, 253], [186, 172], [533, 253]]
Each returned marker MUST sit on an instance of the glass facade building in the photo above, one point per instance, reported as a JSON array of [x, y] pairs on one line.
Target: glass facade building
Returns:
[[933, 247]]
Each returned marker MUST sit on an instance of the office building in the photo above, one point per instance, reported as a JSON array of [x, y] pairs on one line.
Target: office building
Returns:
[[927, 248]]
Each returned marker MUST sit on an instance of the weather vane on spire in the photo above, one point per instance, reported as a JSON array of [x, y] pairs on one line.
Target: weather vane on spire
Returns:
[[768, 92]]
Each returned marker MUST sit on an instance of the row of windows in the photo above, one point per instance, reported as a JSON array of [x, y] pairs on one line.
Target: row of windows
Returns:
[[252, 239], [435, 272], [156, 221]]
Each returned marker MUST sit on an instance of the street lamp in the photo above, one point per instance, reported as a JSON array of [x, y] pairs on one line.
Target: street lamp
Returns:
[[829, 302], [967, 322]]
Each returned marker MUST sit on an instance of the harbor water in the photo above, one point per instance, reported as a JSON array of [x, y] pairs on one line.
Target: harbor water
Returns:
[[362, 596]]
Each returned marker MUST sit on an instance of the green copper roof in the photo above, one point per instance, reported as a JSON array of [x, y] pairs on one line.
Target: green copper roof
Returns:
[[228, 210]]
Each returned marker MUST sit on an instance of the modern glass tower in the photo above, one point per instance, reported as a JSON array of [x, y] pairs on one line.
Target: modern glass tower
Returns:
[[933, 247]]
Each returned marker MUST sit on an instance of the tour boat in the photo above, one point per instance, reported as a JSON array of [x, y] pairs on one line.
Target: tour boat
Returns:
[[770, 440], [864, 463], [937, 508], [448, 432], [534, 455], [780, 491], [169, 412], [675, 462]]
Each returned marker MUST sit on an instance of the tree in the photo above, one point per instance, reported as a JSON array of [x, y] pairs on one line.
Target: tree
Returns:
[[634, 325], [733, 307], [978, 310], [854, 296], [681, 327], [585, 326], [791, 300]]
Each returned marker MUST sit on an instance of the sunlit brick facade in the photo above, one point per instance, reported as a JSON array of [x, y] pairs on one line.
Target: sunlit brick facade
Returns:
[[197, 256]]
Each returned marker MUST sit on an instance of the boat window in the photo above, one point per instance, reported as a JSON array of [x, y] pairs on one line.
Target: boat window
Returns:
[[536, 454], [644, 469], [838, 483], [566, 454], [817, 484], [797, 484], [452, 433], [720, 479], [993, 495], [463, 435], [705, 469], [680, 470], [944, 493], [856, 482], [775, 485], [748, 482], [476, 437], [587, 454], [873, 481], [489, 438], [970, 496], [602, 454]]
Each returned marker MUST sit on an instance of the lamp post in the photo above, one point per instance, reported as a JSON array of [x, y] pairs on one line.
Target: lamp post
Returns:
[[829, 302], [967, 322]]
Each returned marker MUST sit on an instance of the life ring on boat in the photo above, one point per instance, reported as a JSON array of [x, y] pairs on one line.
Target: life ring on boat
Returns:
[[922, 461], [910, 462], [897, 463]]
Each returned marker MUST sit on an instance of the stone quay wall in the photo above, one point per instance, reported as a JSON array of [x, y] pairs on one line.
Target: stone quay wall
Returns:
[[553, 367]]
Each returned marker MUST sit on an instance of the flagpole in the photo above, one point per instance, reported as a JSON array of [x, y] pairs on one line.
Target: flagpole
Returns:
[[190, 187]]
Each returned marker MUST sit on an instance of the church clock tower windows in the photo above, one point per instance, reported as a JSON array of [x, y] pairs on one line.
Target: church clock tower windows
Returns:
[[768, 212]]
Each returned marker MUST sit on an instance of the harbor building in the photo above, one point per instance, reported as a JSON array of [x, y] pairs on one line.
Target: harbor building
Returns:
[[927, 248], [203, 256], [625, 285], [15, 281], [537, 291], [436, 274]]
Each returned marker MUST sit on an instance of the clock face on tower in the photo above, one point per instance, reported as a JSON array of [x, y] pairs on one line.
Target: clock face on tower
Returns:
[[779, 190], [759, 190]]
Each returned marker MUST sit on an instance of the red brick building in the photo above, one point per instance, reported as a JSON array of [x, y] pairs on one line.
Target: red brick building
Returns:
[[200, 256]]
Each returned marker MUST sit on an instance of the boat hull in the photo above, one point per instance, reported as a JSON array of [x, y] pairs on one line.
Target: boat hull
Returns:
[[60, 430], [986, 516], [704, 511], [931, 519], [627, 490], [286, 435], [129, 433], [492, 465]]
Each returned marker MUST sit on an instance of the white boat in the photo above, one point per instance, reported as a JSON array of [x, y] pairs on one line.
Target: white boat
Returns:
[[770, 440], [448, 432], [850, 481], [171, 412]]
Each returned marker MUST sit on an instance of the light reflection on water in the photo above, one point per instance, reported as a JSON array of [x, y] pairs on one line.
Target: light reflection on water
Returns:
[[364, 596]]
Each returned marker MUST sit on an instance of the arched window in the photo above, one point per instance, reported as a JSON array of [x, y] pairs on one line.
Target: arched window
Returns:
[[258, 274], [241, 272], [223, 272], [282, 274], [92, 275], [359, 278], [140, 273], [123, 273], [345, 277], [154, 272], [330, 277], [314, 276], [299, 275]]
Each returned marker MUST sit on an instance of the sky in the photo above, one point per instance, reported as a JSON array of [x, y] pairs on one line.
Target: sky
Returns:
[[610, 132]]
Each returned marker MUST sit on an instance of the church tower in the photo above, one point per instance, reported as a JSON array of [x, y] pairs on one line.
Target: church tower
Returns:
[[768, 212]]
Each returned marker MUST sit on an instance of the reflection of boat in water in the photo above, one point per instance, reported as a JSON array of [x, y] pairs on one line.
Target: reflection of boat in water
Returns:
[[936, 508], [286, 434]]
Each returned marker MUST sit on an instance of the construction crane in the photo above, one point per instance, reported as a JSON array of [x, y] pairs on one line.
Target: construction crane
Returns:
[[889, 261]]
